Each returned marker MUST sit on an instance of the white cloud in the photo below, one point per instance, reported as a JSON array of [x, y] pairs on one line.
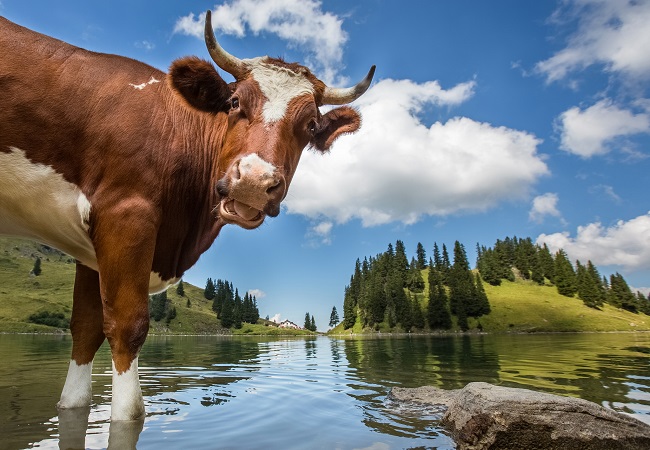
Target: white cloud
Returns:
[[397, 169], [592, 131], [320, 234], [625, 244], [614, 33], [145, 45], [544, 205], [258, 293], [608, 191], [301, 23], [277, 318]]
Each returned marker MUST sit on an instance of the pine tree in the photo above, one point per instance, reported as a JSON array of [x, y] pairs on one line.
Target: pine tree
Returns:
[[437, 259], [170, 315], [417, 315], [589, 285], [422, 257], [643, 302], [446, 265], [505, 258], [437, 313], [334, 317], [226, 305], [600, 289], [349, 309], [547, 263], [307, 324], [488, 267], [620, 294], [460, 281], [396, 299], [36, 271], [400, 262], [250, 313], [482, 299], [414, 280], [536, 270], [523, 250], [237, 314], [158, 306], [180, 290], [312, 325], [210, 291], [565, 277]]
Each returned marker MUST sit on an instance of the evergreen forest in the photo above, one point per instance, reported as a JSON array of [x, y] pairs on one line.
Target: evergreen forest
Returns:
[[388, 292], [231, 308]]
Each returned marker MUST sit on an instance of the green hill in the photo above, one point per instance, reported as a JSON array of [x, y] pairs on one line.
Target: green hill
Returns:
[[524, 306], [520, 306], [23, 294]]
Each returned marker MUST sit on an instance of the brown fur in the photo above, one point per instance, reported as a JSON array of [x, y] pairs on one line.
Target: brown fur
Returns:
[[148, 160]]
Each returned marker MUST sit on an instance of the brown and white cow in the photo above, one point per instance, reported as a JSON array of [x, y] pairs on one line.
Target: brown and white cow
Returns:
[[134, 172]]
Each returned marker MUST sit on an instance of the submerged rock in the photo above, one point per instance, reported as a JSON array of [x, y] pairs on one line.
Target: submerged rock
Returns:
[[482, 416]]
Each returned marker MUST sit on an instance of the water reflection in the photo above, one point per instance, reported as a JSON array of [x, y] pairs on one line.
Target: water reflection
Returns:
[[73, 427], [229, 392]]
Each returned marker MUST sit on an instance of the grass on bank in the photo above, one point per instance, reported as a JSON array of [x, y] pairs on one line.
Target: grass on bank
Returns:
[[23, 294], [520, 306], [523, 306]]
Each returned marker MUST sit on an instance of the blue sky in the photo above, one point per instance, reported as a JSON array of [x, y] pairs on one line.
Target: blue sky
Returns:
[[485, 120]]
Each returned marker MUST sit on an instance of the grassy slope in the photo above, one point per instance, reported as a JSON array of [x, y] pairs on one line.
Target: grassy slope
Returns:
[[516, 307], [22, 294], [524, 306]]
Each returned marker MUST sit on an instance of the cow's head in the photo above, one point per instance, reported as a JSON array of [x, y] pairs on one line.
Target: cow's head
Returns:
[[273, 115]]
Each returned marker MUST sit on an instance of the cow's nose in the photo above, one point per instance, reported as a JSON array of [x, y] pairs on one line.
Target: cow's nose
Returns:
[[258, 184]]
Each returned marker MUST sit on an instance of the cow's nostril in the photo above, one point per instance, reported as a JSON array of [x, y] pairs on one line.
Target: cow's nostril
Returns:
[[222, 187], [273, 187], [275, 191]]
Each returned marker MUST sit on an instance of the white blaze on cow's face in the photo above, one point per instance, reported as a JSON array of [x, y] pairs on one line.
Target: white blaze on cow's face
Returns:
[[273, 104], [279, 85]]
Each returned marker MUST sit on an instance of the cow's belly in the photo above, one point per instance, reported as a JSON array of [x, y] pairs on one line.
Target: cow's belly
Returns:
[[36, 202]]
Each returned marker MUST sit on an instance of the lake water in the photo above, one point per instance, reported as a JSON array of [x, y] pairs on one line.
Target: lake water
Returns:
[[304, 393]]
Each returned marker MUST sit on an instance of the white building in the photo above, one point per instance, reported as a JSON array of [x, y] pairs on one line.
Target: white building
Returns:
[[289, 324]]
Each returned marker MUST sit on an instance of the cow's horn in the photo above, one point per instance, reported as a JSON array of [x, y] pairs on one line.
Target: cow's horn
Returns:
[[341, 96], [234, 66]]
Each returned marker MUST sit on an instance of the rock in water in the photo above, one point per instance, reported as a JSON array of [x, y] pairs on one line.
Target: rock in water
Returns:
[[482, 416]]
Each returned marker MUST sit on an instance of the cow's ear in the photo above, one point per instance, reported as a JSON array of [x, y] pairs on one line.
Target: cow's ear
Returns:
[[199, 84], [333, 124]]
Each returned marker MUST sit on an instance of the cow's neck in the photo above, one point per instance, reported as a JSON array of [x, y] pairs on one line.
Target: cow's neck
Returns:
[[190, 222]]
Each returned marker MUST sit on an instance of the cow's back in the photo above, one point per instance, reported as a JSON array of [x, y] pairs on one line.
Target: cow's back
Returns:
[[68, 117]]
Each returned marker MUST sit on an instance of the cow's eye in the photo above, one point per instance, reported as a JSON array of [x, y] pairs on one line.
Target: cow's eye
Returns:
[[311, 127], [234, 103]]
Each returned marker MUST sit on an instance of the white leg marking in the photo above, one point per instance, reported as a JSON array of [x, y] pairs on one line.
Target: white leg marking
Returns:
[[77, 391], [127, 403]]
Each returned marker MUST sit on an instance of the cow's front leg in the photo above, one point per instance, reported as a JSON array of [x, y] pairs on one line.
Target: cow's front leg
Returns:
[[125, 244], [87, 327]]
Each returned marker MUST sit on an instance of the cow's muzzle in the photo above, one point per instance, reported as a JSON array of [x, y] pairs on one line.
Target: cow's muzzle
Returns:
[[251, 189]]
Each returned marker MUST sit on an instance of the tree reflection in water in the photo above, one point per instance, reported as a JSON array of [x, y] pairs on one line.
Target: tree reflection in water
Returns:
[[216, 392]]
